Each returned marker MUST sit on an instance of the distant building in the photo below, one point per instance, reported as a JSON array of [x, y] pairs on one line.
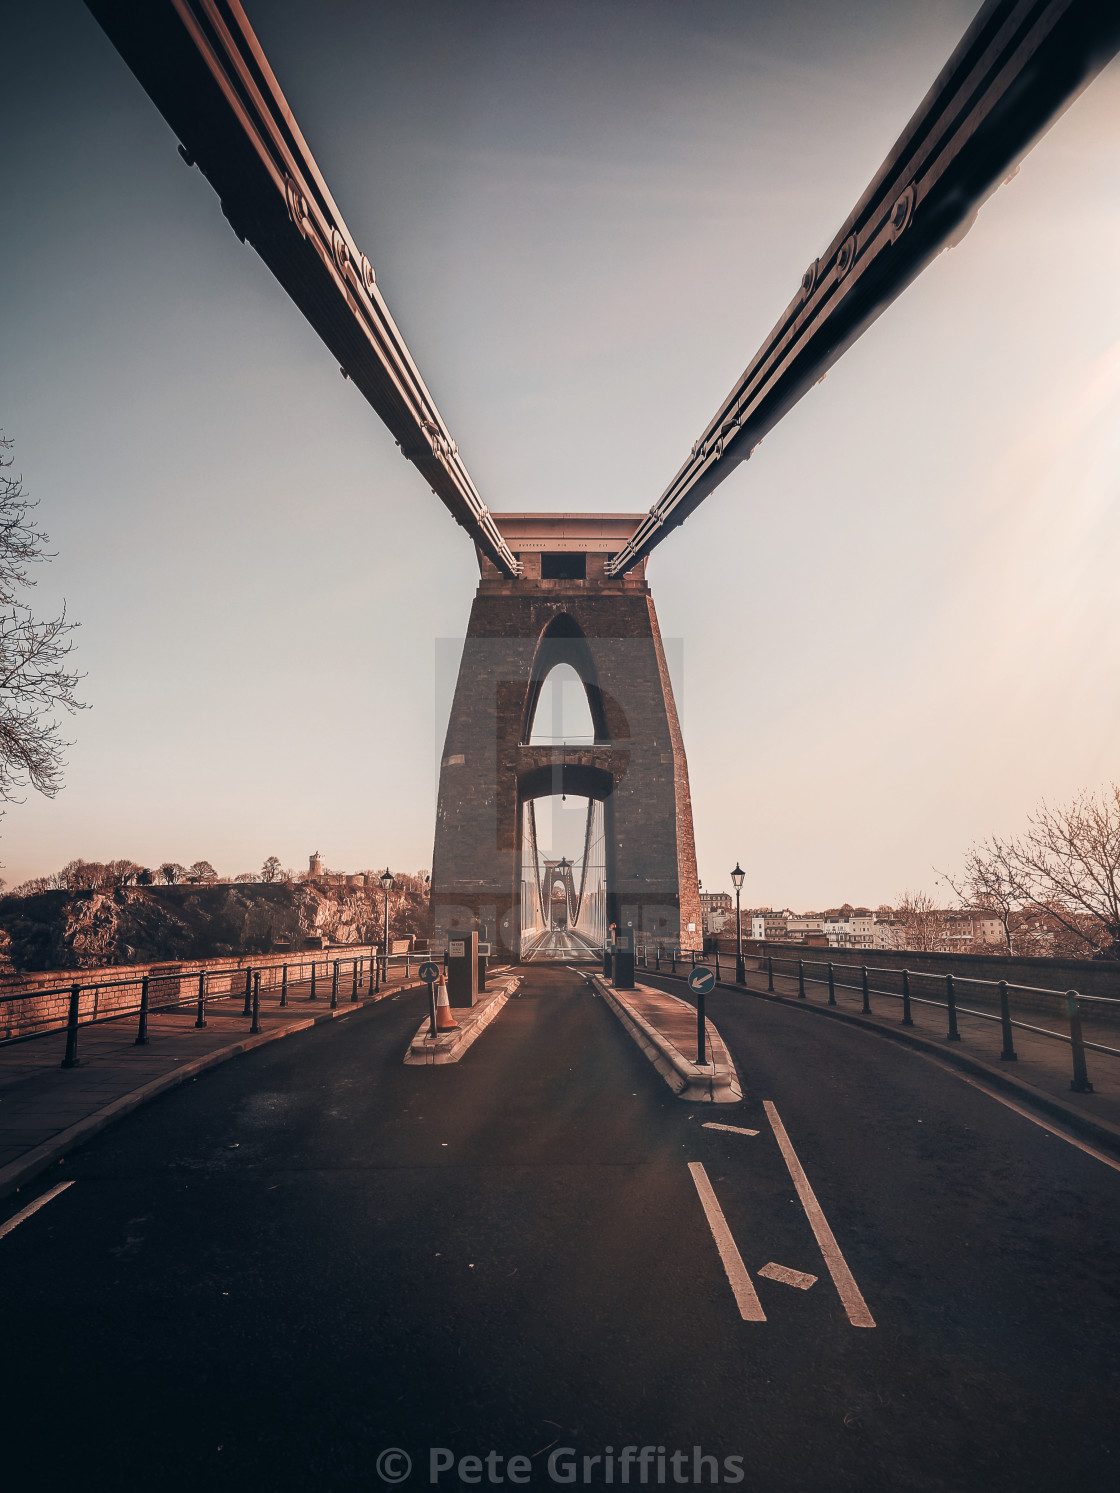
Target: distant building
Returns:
[[970, 927], [315, 865], [890, 933], [806, 928], [765, 923], [717, 911]]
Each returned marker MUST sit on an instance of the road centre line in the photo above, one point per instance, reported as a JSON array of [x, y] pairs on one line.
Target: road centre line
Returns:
[[842, 1277], [18, 1218], [735, 1129], [746, 1297]]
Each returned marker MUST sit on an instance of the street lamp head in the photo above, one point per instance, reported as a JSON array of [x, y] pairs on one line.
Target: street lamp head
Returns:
[[738, 876], [386, 878]]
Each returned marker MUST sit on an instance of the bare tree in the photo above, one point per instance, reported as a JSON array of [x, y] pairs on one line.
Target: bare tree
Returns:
[[172, 871], [989, 884], [202, 871], [80, 875], [925, 924], [122, 872], [1066, 867], [271, 868], [35, 681]]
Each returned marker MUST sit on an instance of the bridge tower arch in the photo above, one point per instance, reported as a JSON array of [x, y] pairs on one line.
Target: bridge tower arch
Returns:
[[564, 608]]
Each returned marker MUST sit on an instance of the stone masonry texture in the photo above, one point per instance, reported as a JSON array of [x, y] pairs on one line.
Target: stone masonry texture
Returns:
[[607, 630]]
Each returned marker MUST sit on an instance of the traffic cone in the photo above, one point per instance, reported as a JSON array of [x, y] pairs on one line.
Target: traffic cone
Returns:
[[445, 1022]]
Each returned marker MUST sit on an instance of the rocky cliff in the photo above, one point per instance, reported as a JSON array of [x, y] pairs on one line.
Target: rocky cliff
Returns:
[[82, 930]]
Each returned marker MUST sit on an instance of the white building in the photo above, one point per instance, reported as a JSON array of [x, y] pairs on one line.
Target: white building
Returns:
[[765, 923]]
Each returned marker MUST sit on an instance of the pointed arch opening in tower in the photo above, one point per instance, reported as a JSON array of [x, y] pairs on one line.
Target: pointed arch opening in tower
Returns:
[[562, 716]]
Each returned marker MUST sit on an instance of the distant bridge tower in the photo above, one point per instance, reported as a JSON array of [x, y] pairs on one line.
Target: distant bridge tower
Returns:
[[564, 608]]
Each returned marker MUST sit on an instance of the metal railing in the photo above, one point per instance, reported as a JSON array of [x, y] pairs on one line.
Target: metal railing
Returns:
[[329, 975], [1071, 1010]]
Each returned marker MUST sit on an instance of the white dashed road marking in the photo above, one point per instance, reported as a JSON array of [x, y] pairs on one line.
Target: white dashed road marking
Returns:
[[34, 1207], [842, 1277], [787, 1276], [746, 1297], [735, 1129]]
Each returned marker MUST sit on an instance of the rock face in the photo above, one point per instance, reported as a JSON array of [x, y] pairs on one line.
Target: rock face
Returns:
[[83, 930]]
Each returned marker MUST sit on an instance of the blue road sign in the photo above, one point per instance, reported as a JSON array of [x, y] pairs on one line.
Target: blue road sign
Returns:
[[429, 971], [702, 980]]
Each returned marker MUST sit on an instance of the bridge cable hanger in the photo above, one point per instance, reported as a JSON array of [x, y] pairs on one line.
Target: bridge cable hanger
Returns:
[[1018, 66], [204, 69]]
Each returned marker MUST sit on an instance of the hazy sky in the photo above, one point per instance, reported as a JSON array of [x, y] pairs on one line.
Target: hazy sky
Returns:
[[899, 619]]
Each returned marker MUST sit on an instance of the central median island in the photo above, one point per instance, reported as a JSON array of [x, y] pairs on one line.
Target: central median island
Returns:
[[449, 1046], [664, 1027]]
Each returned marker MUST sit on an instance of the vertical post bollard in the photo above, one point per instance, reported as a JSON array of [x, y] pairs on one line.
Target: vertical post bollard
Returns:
[[717, 961], [142, 1031], [701, 1032], [376, 976], [248, 1011], [831, 984], [769, 971], [1008, 1055], [72, 1060], [951, 1000], [312, 996], [907, 1019], [256, 1026], [1079, 1083], [408, 964], [334, 987], [801, 979], [866, 994], [657, 956], [200, 1019], [674, 961], [284, 986], [354, 981]]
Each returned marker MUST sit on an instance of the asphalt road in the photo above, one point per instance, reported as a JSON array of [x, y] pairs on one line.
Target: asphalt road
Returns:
[[270, 1277]]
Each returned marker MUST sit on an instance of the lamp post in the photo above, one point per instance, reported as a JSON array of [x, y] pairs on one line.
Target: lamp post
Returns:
[[386, 880], [737, 878]]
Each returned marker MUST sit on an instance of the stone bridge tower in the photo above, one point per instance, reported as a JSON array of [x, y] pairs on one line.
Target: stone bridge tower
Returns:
[[564, 609]]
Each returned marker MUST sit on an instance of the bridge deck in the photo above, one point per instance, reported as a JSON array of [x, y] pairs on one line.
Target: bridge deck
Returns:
[[561, 945]]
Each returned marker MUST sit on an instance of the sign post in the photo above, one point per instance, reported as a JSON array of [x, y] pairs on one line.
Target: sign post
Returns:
[[701, 980], [429, 973]]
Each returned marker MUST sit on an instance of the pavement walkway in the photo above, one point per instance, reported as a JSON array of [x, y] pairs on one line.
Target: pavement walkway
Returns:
[[664, 1027], [46, 1110]]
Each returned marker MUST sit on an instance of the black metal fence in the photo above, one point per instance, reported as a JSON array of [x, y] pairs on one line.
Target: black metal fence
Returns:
[[919, 989], [329, 977]]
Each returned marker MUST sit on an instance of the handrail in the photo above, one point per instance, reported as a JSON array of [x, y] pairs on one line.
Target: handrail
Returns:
[[1072, 998], [284, 973]]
